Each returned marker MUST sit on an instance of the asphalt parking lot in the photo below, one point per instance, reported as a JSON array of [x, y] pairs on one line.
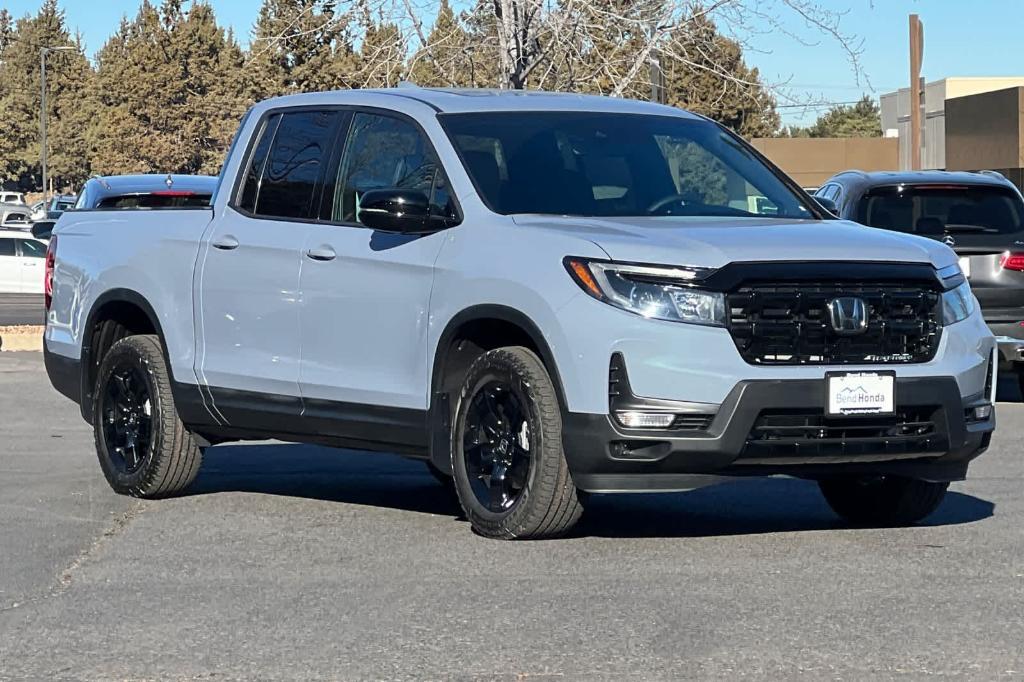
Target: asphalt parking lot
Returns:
[[297, 562], [17, 309]]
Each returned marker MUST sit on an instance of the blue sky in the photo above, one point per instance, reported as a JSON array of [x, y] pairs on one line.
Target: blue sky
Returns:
[[977, 38]]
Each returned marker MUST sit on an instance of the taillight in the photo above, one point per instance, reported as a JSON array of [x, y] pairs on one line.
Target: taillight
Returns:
[[51, 259], [1012, 261]]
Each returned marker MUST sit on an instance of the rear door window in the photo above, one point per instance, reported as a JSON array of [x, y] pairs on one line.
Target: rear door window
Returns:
[[932, 210], [6, 247], [31, 249]]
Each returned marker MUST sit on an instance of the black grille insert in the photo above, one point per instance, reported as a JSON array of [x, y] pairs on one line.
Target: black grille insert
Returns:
[[810, 434], [788, 324]]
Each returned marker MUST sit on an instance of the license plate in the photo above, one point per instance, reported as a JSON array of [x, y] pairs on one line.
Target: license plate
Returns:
[[965, 266], [860, 393]]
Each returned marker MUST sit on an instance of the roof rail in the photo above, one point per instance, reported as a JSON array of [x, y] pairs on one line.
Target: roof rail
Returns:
[[853, 171]]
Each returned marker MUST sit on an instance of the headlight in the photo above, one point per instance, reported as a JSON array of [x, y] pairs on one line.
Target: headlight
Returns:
[[662, 293], [957, 304]]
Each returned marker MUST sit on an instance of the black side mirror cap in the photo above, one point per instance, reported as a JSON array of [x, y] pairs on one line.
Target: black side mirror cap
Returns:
[[402, 211], [828, 205]]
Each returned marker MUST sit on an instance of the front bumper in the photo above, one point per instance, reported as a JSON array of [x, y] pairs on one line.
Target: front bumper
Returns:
[[605, 457]]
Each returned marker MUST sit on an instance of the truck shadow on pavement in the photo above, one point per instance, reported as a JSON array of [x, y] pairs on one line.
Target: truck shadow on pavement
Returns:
[[744, 507]]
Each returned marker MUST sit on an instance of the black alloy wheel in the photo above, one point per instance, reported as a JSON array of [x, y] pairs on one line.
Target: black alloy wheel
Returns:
[[127, 410], [509, 470], [496, 445]]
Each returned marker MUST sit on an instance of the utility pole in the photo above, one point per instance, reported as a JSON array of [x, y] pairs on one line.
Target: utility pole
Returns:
[[916, 55], [42, 106], [657, 76]]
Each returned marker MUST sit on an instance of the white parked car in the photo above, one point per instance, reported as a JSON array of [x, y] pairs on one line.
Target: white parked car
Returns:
[[21, 263], [12, 198]]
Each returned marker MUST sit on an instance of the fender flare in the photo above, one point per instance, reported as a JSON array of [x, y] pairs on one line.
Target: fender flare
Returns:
[[439, 410], [118, 295]]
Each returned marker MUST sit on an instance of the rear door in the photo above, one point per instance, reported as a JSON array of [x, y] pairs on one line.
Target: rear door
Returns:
[[249, 294], [10, 267], [981, 222], [33, 256]]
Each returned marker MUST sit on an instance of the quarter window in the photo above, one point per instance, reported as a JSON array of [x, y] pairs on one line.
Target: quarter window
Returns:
[[254, 166], [384, 152]]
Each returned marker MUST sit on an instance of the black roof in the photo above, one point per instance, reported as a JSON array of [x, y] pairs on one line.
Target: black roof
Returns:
[[923, 177]]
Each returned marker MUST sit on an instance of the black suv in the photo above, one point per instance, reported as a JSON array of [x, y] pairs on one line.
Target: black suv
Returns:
[[979, 215]]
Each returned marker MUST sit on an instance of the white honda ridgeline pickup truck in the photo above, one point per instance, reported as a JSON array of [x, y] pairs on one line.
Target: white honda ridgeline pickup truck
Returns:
[[540, 295]]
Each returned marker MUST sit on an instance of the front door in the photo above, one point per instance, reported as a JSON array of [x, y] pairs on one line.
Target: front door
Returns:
[[366, 294], [249, 295]]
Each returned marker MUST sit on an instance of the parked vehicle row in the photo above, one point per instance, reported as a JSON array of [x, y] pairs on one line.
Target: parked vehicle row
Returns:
[[541, 296], [19, 257]]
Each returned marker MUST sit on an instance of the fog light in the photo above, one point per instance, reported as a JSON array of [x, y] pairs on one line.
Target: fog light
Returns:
[[645, 420], [982, 412]]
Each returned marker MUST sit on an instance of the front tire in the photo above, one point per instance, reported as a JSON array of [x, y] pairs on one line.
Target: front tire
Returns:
[[510, 473], [882, 500], [143, 448]]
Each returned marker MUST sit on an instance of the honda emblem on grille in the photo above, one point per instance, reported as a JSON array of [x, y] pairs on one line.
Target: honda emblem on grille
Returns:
[[848, 315], [948, 240]]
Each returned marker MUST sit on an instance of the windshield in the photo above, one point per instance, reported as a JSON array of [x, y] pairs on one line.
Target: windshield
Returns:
[[934, 210], [596, 164]]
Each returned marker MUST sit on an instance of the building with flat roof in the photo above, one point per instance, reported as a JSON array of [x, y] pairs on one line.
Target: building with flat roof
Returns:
[[895, 111]]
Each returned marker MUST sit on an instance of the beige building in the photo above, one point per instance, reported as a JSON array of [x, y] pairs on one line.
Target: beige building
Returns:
[[812, 160], [895, 108]]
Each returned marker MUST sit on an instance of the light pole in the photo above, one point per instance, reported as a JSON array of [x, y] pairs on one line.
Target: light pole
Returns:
[[42, 103]]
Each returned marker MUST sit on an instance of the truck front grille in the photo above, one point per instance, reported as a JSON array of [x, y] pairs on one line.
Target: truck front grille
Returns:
[[788, 324]]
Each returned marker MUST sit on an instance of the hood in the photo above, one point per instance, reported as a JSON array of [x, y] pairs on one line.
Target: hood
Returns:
[[715, 242]]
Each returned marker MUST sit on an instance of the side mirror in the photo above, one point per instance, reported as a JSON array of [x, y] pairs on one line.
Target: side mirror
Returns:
[[404, 211], [828, 205]]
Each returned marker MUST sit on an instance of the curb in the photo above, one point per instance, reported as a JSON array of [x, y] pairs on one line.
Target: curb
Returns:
[[22, 337]]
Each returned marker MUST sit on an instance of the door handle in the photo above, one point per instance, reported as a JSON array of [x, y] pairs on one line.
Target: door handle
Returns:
[[321, 253], [226, 243]]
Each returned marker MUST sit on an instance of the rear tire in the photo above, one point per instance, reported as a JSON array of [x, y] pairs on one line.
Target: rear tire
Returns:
[[142, 445], [511, 476], [882, 500]]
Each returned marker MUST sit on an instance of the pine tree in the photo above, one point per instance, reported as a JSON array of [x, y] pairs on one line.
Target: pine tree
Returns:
[[381, 56], [68, 81], [705, 73], [862, 119], [185, 99], [447, 58], [301, 46]]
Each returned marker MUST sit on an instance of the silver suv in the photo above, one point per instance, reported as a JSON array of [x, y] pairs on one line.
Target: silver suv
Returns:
[[541, 296]]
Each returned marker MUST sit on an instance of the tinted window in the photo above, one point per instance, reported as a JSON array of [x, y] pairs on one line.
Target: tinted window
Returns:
[[254, 165], [6, 247], [577, 163], [933, 210], [301, 146], [385, 152], [31, 249], [157, 200]]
